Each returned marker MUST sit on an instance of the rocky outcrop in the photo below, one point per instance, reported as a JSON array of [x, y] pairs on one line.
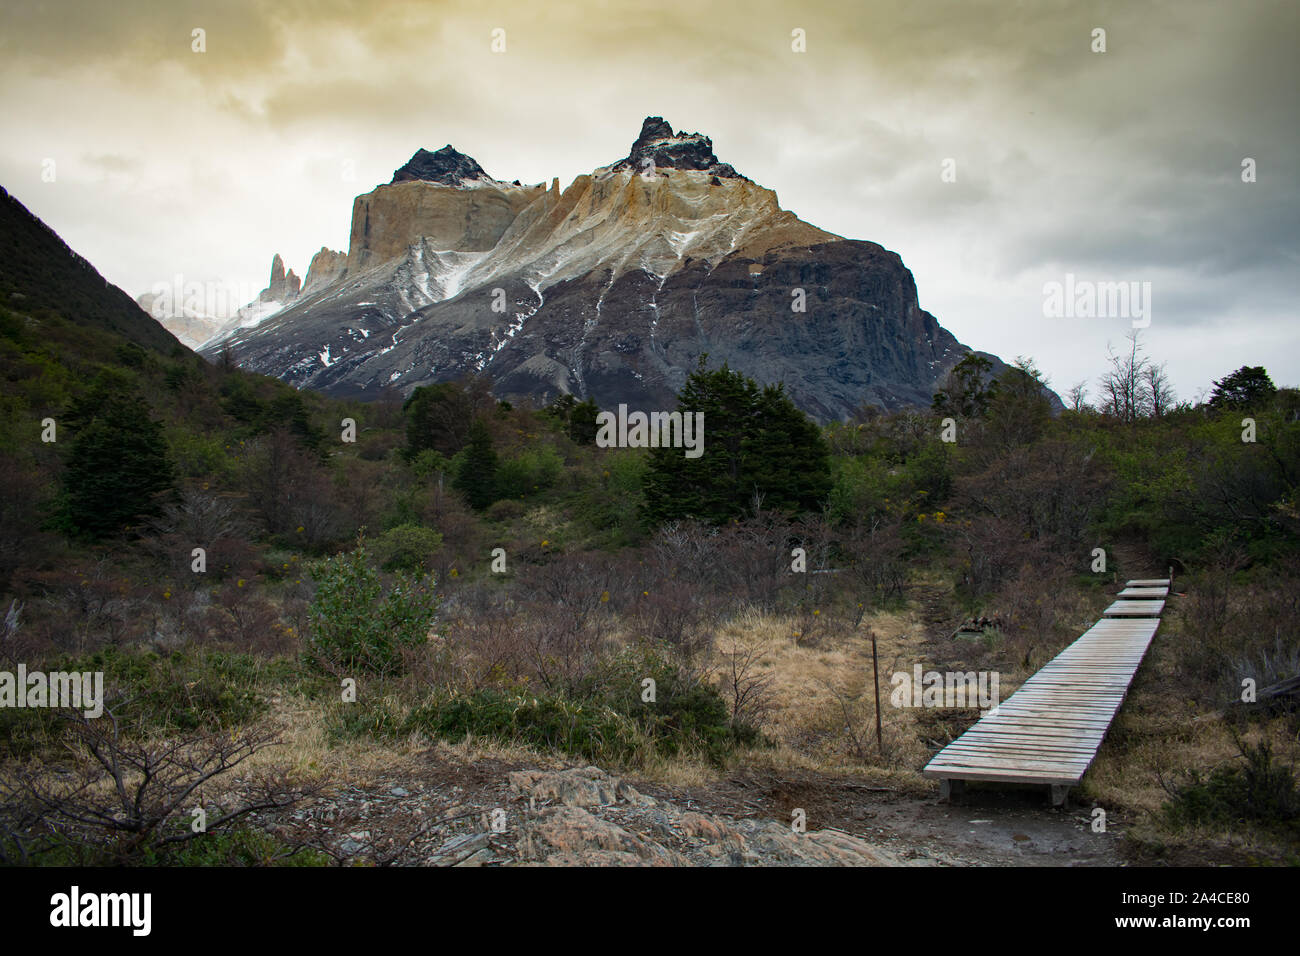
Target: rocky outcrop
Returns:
[[584, 817], [581, 816]]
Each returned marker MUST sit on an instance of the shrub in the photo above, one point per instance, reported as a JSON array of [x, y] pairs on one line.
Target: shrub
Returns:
[[408, 547], [356, 623], [1257, 790], [528, 472], [547, 722], [687, 713]]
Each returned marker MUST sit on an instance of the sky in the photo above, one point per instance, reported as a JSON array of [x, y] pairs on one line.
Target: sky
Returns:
[[993, 145]]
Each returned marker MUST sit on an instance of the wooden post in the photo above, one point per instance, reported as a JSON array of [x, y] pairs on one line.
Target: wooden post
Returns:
[[875, 674]]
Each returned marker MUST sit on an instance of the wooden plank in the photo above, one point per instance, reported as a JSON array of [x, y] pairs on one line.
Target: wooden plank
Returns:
[[1148, 583], [1005, 776], [1135, 609], [1143, 593]]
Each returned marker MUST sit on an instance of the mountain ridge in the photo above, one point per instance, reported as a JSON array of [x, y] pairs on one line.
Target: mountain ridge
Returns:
[[608, 289]]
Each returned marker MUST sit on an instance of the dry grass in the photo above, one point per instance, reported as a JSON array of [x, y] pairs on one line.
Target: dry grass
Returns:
[[822, 693]]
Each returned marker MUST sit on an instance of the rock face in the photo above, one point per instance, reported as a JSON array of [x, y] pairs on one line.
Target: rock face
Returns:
[[326, 266], [609, 290]]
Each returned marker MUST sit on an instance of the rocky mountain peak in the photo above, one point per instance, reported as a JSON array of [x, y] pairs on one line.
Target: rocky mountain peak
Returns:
[[283, 287], [658, 146], [448, 166]]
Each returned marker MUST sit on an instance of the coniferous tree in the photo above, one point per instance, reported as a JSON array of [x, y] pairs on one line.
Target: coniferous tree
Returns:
[[1247, 387], [118, 466], [756, 443], [477, 476]]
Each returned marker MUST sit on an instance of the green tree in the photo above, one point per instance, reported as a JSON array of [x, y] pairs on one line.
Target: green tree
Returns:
[[1246, 388], [1019, 408], [756, 444], [578, 418], [440, 416], [582, 422], [968, 389], [118, 467], [477, 476]]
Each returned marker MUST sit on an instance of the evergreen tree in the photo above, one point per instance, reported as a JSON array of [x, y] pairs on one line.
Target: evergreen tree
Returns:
[[756, 442], [1245, 388], [439, 416], [477, 477], [118, 465], [582, 422]]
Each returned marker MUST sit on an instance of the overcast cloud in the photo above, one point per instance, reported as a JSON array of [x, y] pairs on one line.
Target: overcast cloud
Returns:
[[1123, 165]]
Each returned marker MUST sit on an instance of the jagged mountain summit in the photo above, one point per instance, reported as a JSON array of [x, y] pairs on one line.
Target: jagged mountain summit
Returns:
[[448, 166], [610, 290], [658, 147]]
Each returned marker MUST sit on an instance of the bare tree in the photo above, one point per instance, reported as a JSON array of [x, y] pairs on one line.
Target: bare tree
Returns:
[[1077, 397], [120, 796], [1160, 393], [1122, 392]]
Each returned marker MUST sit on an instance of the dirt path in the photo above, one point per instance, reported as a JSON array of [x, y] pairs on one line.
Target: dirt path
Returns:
[[990, 828]]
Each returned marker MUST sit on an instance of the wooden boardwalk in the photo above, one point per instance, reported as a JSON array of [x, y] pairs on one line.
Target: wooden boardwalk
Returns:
[[1049, 731]]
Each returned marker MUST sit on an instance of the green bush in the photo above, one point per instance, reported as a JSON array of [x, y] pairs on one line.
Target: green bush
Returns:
[[684, 716], [529, 472], [363, 720], [239, 846], [359, 624], [1256, 790], [585, 730], [408, 547]]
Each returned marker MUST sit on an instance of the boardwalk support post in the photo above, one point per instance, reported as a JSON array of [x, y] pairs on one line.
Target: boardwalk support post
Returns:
[[950, 789], [1059, 794]]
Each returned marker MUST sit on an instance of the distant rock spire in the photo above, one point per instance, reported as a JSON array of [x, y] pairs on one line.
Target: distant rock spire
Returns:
[[283, 287]]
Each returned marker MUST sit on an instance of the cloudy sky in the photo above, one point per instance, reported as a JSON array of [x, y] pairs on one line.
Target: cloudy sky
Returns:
[[1115, 166]]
